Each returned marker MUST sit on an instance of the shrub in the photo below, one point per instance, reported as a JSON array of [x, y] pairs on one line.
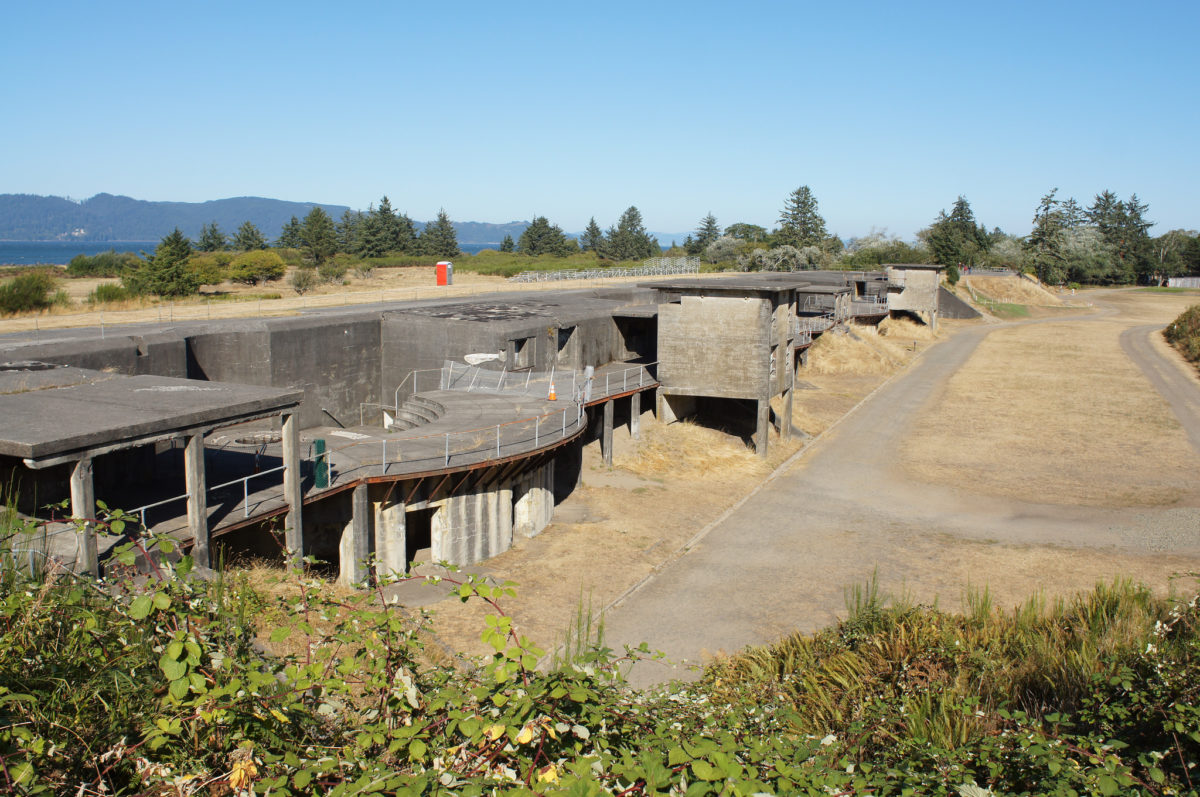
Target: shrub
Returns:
[[304, 280], [210, 268], [103, 264], [255, 266], [331, 271], [109, 292], [1184, 334], [27, 292]]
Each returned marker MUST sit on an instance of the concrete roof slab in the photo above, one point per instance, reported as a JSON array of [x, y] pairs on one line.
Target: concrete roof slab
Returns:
[[103, 410]]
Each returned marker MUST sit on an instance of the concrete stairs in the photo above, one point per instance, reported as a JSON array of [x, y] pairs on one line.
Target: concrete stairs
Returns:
[[416, 411]]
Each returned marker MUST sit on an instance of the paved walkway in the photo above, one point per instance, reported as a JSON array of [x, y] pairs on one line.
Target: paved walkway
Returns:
[[779, 562]]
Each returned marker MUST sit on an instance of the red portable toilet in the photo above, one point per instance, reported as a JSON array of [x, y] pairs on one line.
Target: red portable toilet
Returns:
[[445, 272]]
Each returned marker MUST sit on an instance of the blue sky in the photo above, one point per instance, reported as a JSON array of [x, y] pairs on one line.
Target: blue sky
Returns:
[[503, 111]]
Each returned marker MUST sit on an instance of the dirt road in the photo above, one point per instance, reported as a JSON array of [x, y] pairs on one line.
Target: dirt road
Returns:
[[844, 509]]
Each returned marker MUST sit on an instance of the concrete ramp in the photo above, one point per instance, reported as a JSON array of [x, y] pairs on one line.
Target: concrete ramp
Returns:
[[950, 306]]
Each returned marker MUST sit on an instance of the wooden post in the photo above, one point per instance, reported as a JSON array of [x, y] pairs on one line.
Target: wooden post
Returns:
[[293, 523], [197, 497], [83, 507]]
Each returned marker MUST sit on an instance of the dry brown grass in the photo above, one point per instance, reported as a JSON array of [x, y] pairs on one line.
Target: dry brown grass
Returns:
[[867, 349], [1055, 413], [688, 450], [1013, 290]]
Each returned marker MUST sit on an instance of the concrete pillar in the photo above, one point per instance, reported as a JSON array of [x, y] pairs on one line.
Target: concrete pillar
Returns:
[[293, 522], [762, 427], [197, 497], [83, 507], [606, 439], [788, 392], [635, 416], [470, 528], [355, 543], [533, 501], [391, 538], [933, 320], [785, 432], [666, 413]]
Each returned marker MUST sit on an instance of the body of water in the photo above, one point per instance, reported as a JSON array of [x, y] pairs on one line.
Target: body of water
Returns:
[[28, 253], [59, 253]]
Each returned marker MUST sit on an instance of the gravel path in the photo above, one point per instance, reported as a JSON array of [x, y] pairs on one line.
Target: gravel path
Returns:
[[838, 512]]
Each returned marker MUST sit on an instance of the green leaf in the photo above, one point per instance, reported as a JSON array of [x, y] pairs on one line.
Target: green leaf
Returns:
[[704, 770], [302, 778], [416, 750], [162, 601], [139, 609], [1157, 775], [172, 668], [1107, 785]]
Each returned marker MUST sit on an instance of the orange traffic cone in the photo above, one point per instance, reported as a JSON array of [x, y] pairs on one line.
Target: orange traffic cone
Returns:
[[553, 395]]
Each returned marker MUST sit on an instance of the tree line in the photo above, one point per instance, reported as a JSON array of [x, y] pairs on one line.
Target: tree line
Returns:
[[1107, 242]]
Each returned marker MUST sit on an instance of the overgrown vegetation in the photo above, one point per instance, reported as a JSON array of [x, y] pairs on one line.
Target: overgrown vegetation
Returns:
[[177, 685], [32, 290], [1184, 334]]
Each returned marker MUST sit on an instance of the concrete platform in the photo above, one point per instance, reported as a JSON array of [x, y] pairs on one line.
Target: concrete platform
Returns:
[[61, 413]]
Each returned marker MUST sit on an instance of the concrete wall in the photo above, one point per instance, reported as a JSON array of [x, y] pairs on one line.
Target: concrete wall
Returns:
[[335, 360], [160, 353], [716, 346], [920, 292]]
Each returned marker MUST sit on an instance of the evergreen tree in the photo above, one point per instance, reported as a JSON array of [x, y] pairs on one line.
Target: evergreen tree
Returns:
[[543, 238], [800, 224], [708, 231], [289, 236], [507, 244], [318, 236], [593, 237], [165, 273], [1124, 230], [348, 231], [248, 238], [439, 239], [630, 241], [956, 239], [1046, 242], [211, 238], [406, 234]]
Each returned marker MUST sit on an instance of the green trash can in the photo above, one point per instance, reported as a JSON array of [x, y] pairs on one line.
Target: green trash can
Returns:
[[320, 464]]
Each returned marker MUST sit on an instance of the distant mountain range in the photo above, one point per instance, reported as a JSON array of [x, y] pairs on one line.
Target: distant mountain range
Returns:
[[105, 217]]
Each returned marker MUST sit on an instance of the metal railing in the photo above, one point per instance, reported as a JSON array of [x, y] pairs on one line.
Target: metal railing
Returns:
[[571, 383], [653, 267], [868, 305]]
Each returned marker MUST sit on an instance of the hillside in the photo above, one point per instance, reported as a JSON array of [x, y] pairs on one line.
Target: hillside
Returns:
[[105, 217]]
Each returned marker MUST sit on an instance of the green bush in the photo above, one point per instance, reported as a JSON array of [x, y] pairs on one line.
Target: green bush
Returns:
[[255, 266], [28, 292], [1184, 334], [103, 264], [332, 271], [109, 292], [210, 268]]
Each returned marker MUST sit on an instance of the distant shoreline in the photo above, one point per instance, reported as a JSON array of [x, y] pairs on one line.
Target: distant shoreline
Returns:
[[59, 253]]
